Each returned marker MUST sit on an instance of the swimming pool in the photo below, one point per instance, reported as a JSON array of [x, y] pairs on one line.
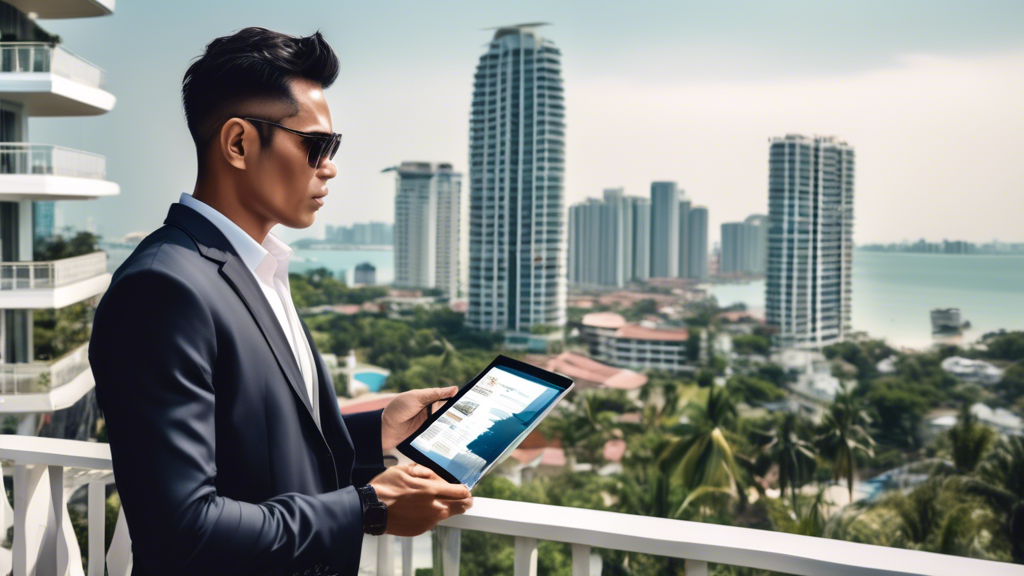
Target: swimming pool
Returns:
[[374, 380]]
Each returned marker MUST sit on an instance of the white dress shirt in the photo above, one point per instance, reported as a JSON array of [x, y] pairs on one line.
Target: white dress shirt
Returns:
[[269, 265]]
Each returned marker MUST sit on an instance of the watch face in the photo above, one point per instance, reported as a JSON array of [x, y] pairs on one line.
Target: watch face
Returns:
[[375, 516]]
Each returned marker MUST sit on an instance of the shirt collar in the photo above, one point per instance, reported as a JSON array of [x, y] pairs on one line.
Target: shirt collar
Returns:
[[265, 261]]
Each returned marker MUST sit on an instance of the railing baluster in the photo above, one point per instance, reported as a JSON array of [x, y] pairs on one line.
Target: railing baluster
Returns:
[[29, 517], [385, 555], [696, 568], [447, 545], [97, 528], [119, 557], [406, 544], [584, 563], [526, 557]]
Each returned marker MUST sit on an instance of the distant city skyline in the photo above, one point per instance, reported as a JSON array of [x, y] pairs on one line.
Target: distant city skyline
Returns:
[[929, 94]]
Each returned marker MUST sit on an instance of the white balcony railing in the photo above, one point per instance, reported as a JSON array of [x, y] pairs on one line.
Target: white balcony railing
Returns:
[[51, 273], [45, 58], [50, 160], [42, 377], [46, 470]]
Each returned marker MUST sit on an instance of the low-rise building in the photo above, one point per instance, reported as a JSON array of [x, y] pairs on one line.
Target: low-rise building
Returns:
[[972, 370], [614, 341]]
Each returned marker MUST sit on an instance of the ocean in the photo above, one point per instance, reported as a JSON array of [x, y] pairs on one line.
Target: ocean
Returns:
[[893, 293]]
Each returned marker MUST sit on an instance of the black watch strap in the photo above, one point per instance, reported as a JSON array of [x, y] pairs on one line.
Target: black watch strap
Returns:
[[375, 512]]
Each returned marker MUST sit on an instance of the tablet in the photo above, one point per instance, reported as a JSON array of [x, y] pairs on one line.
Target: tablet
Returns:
[[481, 425]]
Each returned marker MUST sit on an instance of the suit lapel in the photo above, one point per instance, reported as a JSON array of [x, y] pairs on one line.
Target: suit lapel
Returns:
[[214, 246]]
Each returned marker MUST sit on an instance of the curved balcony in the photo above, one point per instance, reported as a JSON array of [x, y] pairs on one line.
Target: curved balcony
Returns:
[[53, 283], [52, 81], [65, 8], [31, 387], [47, 470], [47, 172]]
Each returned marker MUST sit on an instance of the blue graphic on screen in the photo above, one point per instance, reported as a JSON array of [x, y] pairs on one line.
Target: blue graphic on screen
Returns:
[[488, 420]]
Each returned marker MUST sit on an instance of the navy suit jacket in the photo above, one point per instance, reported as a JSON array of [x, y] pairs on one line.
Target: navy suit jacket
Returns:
[[220, 466]]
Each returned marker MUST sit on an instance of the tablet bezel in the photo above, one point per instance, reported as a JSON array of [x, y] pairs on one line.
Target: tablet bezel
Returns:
[[406, 447]]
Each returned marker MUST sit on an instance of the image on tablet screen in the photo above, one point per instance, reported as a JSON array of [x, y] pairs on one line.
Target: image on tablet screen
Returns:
[[491, 416]]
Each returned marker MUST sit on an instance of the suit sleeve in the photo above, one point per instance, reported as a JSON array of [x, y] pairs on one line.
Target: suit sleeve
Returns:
[[365, 429], [153, 351]]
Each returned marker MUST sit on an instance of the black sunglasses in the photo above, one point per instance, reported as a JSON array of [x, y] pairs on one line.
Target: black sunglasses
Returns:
[[321, 145]]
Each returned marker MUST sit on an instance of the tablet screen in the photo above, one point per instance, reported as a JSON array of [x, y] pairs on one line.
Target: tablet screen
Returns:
[[490, 418]]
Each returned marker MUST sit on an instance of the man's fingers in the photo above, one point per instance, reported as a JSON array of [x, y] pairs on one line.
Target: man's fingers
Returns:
[[445, 491], [420, 471], [429, 395]]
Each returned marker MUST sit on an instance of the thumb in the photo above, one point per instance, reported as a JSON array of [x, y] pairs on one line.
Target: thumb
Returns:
[[429, 395]]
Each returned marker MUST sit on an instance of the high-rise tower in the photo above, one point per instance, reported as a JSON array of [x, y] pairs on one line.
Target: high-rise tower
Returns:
[[517, 243], [810, 240], [426, 226], [45, 380]]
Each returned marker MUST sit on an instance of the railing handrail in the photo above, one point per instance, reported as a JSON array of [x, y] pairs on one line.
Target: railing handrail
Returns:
[[30, 145], [760, 549], [695, 542], [53, 46], [53, 262], [55, 452]]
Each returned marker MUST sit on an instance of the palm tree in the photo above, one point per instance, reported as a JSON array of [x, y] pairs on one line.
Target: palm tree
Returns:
[[703, 459], [970, 440], [795, 457], [1000, 480], [845, 435]]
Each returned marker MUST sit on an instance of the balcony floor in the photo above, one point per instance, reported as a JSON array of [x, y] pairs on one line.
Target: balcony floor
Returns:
[[46, 187], [51, 298], [48, 94]]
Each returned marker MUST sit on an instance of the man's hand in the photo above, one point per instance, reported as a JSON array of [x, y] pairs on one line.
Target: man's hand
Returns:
[[407, 412], [417, 498]]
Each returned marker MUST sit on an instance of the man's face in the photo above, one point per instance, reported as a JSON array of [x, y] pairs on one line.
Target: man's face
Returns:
[[281, 183]]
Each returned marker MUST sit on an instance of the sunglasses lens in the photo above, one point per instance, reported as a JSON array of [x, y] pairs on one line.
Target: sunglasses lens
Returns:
[[315, 150], [334, 147]]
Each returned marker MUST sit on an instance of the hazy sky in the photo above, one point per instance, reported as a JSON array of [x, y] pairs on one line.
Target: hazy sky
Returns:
[[930, 94]]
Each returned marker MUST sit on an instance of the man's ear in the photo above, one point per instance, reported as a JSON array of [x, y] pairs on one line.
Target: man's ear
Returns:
[[237, 138]]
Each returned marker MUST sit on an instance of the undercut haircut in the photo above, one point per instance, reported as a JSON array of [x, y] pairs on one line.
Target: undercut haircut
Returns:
[[242, 73]]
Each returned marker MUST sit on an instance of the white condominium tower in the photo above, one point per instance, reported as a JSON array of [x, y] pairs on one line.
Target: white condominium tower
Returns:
[[810, 240], [609, 240], [517, 252], [46, 383], [665, 213], [427, 226]]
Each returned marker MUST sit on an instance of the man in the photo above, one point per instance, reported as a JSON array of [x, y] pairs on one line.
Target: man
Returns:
[[228, 448]]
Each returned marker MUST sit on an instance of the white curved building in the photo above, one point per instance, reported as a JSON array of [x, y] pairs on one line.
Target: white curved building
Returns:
[[39, 77], [517, 267]]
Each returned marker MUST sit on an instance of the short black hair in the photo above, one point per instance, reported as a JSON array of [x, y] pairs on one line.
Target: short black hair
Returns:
[[250, 65]]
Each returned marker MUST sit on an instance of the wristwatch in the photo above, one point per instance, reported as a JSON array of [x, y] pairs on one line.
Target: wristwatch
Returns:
[[375, 512]]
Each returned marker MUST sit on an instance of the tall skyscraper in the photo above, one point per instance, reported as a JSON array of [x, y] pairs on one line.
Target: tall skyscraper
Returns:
[[745, 246], [810, 240], [683, 268], [608, 240], [697, 243], [640, 212], [664, 230], [426, 226], [517, 257]]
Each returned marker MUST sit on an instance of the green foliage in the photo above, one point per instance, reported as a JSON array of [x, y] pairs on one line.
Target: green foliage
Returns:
[[1011, 386], [58, 247], [969, 441], [795, 457], [55, 332], [845, 436], [1008, 346], [863, 355], [319, 286], [751, 344], [754, 390], [640, 309], [899, 405]]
